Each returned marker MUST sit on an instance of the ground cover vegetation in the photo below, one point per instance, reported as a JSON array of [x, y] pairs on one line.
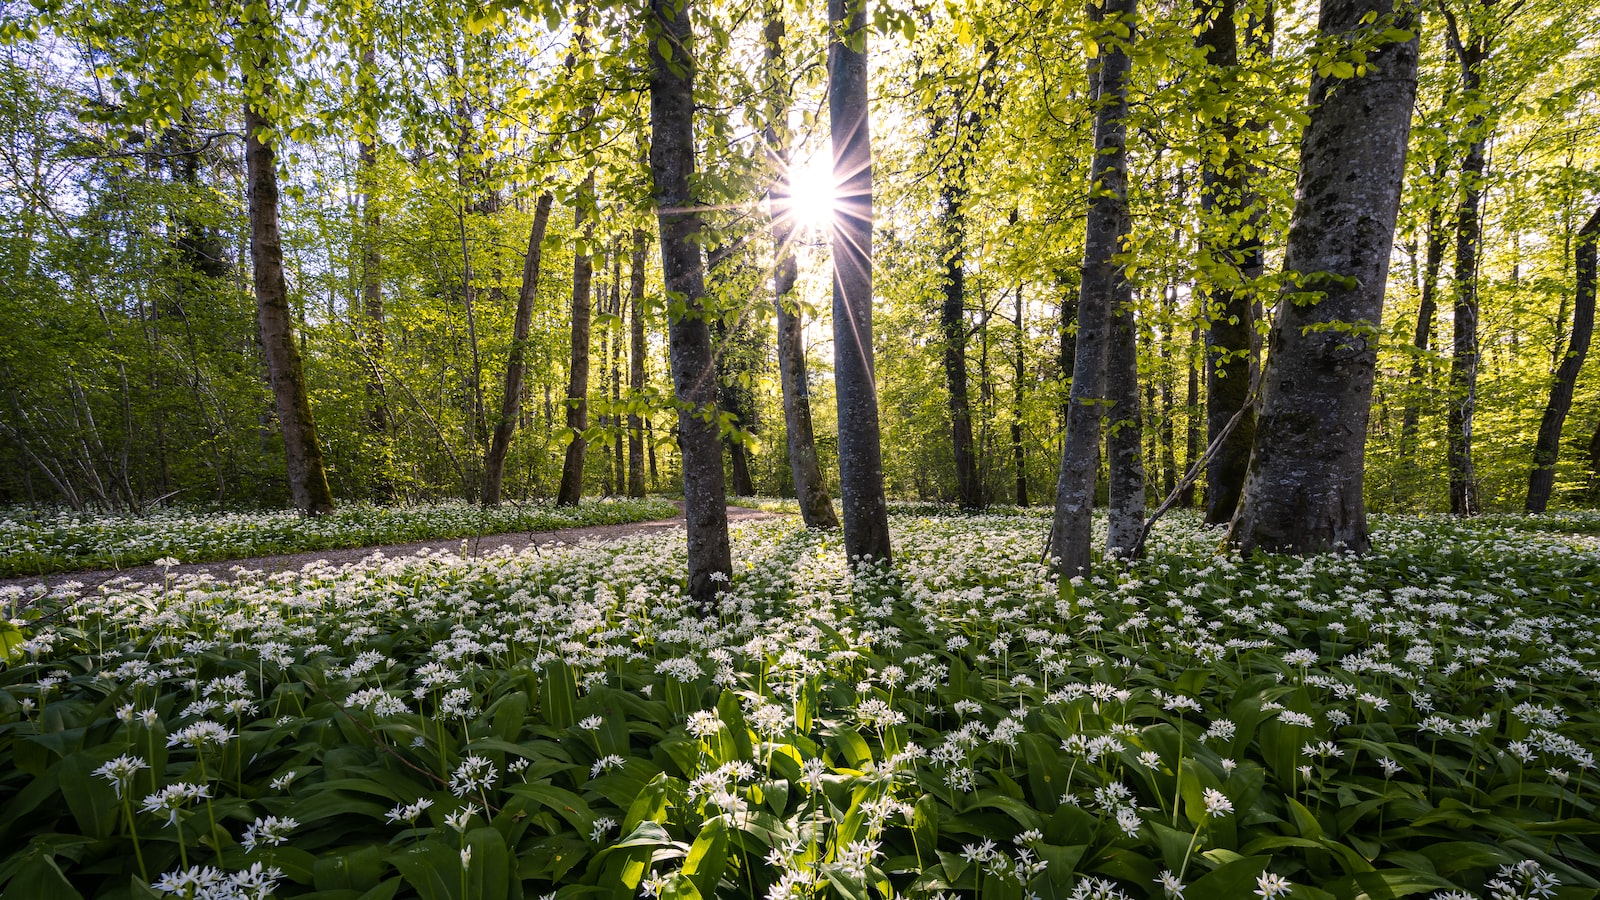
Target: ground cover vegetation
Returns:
[[1414, 722], [38, 543]]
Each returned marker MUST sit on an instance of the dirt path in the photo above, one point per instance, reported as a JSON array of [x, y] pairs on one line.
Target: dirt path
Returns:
[[470, 547]]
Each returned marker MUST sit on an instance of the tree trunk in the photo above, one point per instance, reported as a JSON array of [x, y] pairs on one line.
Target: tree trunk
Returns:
[[816, 507], [1422, 338], [618, 463], [1102, 283], [1166, 436], [571, 490], [953, 324], [636, 273], [1548, 446], [1019, 372], [1469, 237], [308, 483], [1230, 244], [494, 464], [731, 353], [693, 371], [1303, 490], [1124, 440], [866, 512], [372, 288], [1191, 404]]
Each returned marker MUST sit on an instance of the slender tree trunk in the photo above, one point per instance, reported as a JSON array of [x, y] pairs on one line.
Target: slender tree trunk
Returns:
[[494, 464], [372, 292], [731, 353], [816, 507], [1019, 374], [1548, 446], [1230, 244], [953, 324], [866, 512], [1469, 238], [571, 490], [1166, 435], [1125, 521], [1191, 405], [618, 463], [308, 483], [1102, 283], [1067, 353], [1303, 490], [694, 377], [1422, 338], [636, 273]]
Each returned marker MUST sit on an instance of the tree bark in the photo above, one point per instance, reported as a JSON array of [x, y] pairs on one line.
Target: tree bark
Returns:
[[1124, 439], [732, 352], [1303, 490], [308, 482], [636, 273], [1469, 236], [1548, 446], [494, 464], [693, 371], [1422, 338], [618, 463], [1230, 244], [1019, 371], [1102, 283], [866, 512], [816, 507], [372, 333], [571, 490], [1191, 405], [953, 320]]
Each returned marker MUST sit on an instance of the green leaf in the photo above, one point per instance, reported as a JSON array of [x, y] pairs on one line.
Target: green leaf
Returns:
[[42, 878], [708, 856], [560, 801]]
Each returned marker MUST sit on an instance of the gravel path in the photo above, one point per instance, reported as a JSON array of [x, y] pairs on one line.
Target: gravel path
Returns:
[[470, 547]]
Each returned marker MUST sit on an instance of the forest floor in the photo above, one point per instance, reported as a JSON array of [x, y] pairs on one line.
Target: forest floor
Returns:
[[225, 570]]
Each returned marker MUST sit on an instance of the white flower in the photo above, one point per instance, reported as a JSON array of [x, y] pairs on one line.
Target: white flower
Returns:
[[120, 771], [408, 812], [1271, 885], [174, 797], [591, 723], [703, 723], [1128, 821], [458, 819], [1170, 885], [271, 831], [474, 774], [605, 764], [1217, 803]]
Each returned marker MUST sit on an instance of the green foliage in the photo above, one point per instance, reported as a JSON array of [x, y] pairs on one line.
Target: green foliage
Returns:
[[37, 544], [1415, 721]]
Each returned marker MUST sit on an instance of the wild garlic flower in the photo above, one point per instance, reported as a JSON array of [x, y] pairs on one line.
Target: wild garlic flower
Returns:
[[120, 772], [201, 735], [475, 773], [1217, 803], [408, 812], [1271, 885], [270, 831], [174, 797]]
